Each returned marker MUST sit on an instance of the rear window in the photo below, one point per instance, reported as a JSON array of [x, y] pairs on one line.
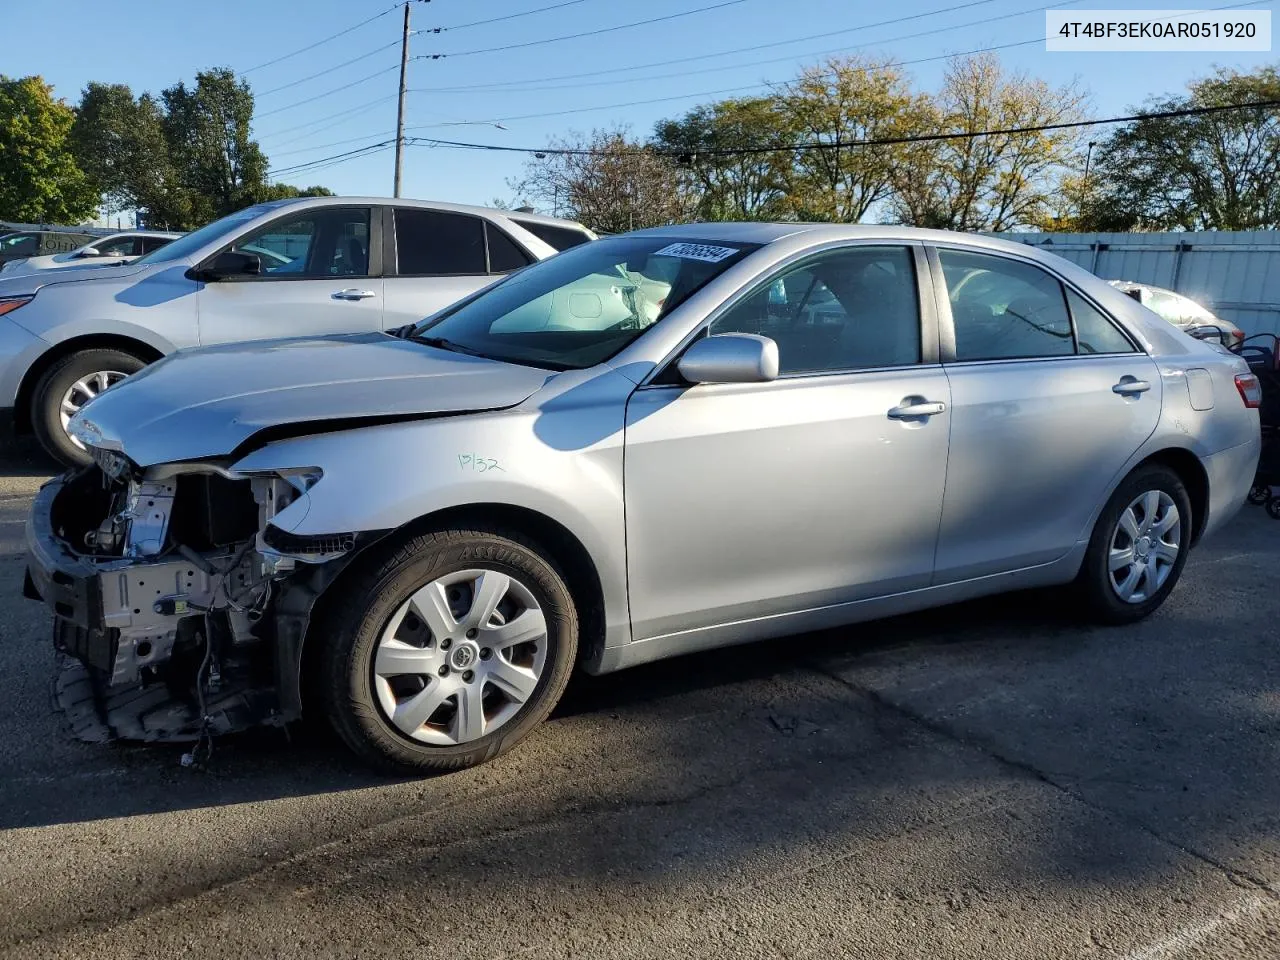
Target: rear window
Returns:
[[562, 238], [431, 243], [504, 255]]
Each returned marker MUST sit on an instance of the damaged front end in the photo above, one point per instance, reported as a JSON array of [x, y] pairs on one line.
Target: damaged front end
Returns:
[[179, 607]]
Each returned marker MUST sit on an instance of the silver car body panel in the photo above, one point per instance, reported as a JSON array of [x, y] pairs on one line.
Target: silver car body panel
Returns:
[[217, 398], [717, 514]]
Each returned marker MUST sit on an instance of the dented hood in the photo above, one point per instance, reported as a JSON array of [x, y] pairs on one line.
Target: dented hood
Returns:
[[207, 402]]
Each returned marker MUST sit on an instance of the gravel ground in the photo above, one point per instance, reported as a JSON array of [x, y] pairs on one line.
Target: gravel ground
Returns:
[[989, 780]]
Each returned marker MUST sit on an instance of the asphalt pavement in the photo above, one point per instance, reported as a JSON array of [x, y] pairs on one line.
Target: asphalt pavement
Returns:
[[990, 780]]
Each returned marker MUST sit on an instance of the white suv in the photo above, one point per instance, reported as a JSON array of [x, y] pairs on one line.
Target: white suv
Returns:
[[316, 265], [110, 250]]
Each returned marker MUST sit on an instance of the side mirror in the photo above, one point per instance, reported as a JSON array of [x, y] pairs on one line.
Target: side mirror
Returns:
[[90, 252], [730, 358], [231, 263]]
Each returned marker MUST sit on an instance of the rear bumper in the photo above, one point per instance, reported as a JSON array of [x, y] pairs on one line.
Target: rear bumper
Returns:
[[1230, 474]]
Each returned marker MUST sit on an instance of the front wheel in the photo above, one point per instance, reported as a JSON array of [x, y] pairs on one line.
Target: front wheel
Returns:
[[66, 387], [448, 651], [1138, 548]]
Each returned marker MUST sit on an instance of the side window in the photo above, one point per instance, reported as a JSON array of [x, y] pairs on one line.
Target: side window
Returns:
[[19, 245], [329, 242], [851, 309], [431, 243], [562, 238], [1005, 309], [154, 243], [504, 255], [62, 242], [1094, 332], [121, 247]]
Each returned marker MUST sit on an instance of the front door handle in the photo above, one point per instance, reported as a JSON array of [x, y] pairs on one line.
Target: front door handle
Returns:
[[351, 293], [1131, 386], [913, 408]]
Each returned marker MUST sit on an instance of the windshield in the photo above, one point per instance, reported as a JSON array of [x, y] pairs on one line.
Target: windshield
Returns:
[[186, 245], [582, 306]]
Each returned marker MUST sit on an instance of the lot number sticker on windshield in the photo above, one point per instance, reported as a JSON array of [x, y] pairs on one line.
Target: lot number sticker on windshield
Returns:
[[696, 251]]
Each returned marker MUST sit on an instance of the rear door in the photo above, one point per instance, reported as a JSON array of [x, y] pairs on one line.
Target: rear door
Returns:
[[321, 274], [438, 257], [1049, 400]]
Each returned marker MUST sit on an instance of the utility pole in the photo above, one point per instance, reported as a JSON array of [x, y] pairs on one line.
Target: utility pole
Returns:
[[404, 67]]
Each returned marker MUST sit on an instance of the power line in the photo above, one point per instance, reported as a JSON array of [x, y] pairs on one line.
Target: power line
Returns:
[[327, 119], [328, 93], [523, 87], [737, 89], [780, 148], [790, 57], [331, 68], [875, 142], [335, 143], [345, 155], [585, 33], [725, 53], [756, 86], [509, 16], [318, 43]]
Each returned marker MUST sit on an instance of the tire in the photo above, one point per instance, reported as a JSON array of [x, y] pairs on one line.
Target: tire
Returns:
[[58, 382], [1273, 508], [1096, 585], [1259, 495], [373, 637]]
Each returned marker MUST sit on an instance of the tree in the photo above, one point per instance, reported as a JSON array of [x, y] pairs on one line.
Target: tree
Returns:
[[743, 186], [992, 181], [836, 104], [40, 181], [1215, 171], [120, 144], [287, 191], [219, 166], [607, 181]]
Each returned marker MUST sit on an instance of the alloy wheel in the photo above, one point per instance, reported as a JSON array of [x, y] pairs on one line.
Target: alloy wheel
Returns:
[[1144, 546], [81, 392], [460, 657]]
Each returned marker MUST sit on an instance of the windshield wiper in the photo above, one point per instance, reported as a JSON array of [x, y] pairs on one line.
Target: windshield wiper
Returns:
[[440, 343]]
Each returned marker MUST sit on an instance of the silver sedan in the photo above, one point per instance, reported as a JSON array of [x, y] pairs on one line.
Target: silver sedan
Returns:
[[660, 442]]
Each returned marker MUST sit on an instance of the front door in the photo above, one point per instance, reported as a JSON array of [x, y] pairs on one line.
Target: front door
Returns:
[[818, 488], [1049, 400], [319, 276]]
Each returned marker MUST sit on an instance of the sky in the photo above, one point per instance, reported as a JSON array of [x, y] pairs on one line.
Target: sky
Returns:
[[340, 95]]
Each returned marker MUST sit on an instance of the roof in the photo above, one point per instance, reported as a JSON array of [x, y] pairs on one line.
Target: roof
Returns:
[[474, 211], [820, 232], [163, 234]]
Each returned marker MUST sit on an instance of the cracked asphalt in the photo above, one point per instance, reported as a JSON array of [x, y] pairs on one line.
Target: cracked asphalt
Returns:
[[990, 780]]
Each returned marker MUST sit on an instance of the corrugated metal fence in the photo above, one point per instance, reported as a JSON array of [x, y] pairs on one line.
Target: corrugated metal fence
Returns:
[[1237, 275]]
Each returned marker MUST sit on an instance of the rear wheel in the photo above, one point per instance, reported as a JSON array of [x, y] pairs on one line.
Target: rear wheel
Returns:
[[448, 651], [1138, 548], [65, 388]]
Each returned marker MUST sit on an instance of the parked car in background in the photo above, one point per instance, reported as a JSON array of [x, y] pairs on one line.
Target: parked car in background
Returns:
[[645, 446], [314, 265], [1183, 312], [112, 249], [21, 244]]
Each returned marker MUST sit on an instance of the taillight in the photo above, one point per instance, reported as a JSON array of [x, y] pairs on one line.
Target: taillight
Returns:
[[1250, 390]]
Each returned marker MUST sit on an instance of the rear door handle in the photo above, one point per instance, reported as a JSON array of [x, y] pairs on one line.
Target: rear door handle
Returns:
[[351, 293], [921, 408], [1130, 386]]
